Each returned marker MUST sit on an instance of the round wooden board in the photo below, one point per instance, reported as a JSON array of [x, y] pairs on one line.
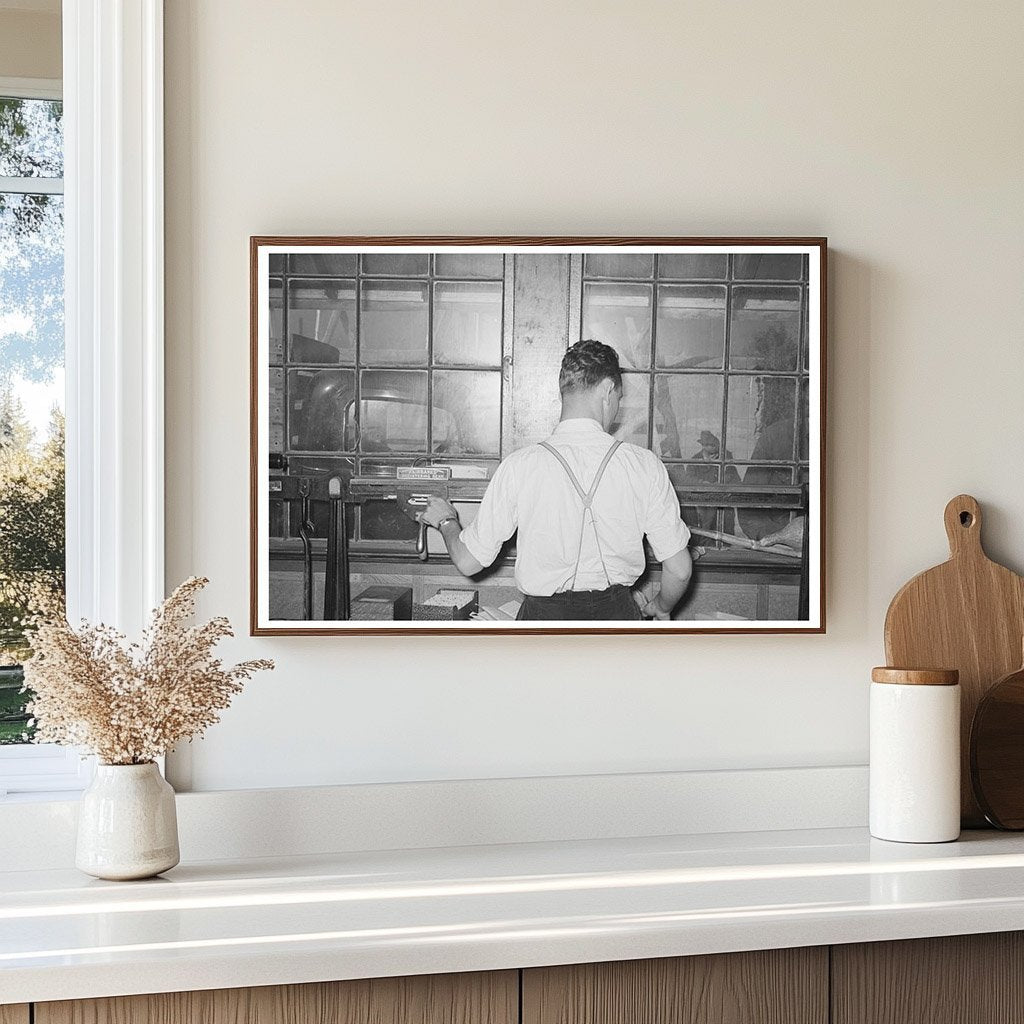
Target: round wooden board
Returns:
[[968, 614], [997, 752]]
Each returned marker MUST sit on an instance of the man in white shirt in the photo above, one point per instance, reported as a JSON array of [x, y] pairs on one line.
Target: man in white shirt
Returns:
[[582, 503]]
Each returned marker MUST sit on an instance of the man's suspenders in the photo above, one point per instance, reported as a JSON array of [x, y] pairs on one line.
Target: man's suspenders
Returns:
[[587, 497]]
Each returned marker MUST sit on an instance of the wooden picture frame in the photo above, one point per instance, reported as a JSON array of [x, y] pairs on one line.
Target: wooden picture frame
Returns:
[[358, 343]]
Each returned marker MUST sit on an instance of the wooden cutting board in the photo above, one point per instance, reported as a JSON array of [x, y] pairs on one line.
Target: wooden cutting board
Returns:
[[967, 614]]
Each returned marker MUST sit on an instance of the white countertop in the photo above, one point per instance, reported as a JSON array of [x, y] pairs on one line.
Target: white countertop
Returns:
[[225, 924]]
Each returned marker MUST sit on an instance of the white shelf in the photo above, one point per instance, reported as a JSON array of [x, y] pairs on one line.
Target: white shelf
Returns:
[[353, 915]]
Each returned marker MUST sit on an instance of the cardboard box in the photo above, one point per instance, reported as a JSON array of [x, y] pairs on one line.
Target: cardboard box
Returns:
[[383, 604], [449, 604]]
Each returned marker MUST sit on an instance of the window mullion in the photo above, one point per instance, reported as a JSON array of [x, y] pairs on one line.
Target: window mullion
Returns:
[[32, 186]]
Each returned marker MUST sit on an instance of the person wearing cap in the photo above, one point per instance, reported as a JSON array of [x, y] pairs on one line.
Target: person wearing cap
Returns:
[[582, 503], [710, 448]]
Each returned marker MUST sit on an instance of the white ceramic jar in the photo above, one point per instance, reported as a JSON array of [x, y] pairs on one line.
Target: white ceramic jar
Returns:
[[915, 755], [127, 823]]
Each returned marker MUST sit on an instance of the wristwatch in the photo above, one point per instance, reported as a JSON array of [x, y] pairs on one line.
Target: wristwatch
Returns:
[[447, 519]]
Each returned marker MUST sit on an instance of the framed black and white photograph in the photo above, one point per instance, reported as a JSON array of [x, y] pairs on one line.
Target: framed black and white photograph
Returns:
[[537, 435]]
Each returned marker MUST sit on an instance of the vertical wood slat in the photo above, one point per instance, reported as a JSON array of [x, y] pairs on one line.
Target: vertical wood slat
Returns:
[[14, 1014], [478, 998], [779, 986], [960, 979], [539, 340]]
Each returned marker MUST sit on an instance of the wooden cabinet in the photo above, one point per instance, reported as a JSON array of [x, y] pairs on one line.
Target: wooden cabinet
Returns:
[[777, 986], [967, 979], [491, 998], [962, 979]]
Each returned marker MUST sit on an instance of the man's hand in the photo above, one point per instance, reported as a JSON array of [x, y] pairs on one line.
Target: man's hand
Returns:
[[437, 510], [653, 609], [646, 598]]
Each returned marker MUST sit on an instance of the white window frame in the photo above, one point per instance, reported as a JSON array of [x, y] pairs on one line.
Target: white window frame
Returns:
[[114, 345]]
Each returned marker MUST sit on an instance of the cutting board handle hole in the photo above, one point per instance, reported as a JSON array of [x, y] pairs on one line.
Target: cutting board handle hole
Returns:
[[966, 519]]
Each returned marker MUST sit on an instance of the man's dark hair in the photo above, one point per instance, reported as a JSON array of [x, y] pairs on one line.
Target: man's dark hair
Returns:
[[586, 364]]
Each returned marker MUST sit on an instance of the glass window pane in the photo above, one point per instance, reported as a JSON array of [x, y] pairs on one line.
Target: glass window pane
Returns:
[[404, 264], [685, 405], [277, 262], [467, 323], [765, 329], [805, 336], [395, 322], [333, 264], [620, 316], [31, 138], [467, 412], [470, 264], [769, 266], [762, 418], [691, 326], [31, 435], [705, 517], [619, 265], [693, 266], [322, 321], [756, 523], [32, 299], [634, 410], [803, 438], [321, 407], [684, 474], [393, 411], [276, 321]]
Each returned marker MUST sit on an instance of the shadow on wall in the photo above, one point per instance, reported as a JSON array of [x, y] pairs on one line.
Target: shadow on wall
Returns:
[[854, 287]]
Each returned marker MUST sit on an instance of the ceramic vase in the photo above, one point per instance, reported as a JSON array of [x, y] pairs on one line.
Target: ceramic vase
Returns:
[[127, 825]]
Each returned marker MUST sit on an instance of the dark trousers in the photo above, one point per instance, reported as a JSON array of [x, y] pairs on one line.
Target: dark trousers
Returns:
[[614, 604]]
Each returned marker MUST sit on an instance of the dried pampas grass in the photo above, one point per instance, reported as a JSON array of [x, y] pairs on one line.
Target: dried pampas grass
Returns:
[[130, 703]]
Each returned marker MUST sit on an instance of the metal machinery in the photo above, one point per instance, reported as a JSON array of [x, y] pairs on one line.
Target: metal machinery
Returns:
[[410, 495]]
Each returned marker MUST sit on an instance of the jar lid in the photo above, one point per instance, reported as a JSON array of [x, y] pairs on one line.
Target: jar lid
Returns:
[[916, 676]]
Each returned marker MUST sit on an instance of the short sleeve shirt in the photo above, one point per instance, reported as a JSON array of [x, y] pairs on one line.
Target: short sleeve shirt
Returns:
[[531, 492]]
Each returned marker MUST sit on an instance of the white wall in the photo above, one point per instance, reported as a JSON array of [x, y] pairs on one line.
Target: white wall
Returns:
[[30, 41], [895, 129]]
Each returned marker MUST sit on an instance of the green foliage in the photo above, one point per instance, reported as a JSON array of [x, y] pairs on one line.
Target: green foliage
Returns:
[[31, 543], [31, 138], [14, 727]]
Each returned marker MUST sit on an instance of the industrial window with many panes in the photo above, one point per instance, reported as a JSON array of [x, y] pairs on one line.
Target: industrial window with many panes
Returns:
[[714, 353], [384, 360]]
